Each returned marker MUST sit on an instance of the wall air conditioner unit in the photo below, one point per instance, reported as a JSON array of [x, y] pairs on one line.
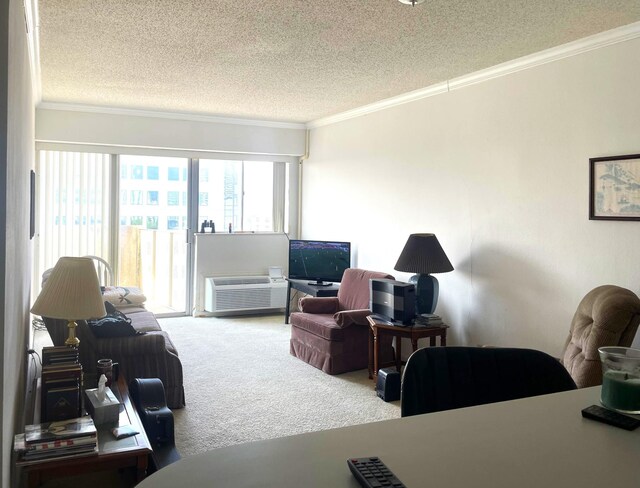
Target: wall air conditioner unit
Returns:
[[244, 293]]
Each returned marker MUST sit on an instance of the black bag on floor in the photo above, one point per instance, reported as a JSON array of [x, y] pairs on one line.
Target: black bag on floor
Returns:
[[149, 399]]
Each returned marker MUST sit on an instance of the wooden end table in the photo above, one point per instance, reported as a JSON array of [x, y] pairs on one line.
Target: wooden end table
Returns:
[[413, 332], [112, 453]]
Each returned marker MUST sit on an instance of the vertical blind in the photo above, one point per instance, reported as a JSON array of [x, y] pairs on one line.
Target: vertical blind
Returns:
[[73, 213]]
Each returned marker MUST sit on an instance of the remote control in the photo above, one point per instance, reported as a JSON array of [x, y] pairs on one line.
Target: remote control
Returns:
[[372, 473], [601, 414]]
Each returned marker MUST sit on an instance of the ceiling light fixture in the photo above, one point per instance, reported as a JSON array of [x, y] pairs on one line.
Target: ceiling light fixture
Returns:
[[411, 2]]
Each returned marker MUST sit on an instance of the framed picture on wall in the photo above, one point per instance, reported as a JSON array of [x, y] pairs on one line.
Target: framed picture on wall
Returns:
[[32, 204], [614, 188]]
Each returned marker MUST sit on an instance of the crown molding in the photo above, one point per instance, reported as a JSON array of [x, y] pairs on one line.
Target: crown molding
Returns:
[[168, 115], [32, 27], [574, 48], [597, 41], [381, 105]]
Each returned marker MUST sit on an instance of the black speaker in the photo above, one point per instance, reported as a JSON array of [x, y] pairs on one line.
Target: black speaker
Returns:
[[395, 300], [388, 385]]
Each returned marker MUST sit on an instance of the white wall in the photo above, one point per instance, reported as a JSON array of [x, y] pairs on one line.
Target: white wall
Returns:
[[499, 172], [16, 160]]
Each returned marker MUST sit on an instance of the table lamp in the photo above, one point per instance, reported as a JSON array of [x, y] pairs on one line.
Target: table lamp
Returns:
[[423, 255], [72, 292]]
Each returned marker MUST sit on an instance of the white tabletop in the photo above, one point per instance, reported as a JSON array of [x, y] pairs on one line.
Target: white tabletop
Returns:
[[540, 442]]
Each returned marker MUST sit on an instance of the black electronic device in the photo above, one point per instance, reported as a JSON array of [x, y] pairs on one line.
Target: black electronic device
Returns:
[[610, 417], [372, 472], [392, 299], [323, 262], [388, 384]]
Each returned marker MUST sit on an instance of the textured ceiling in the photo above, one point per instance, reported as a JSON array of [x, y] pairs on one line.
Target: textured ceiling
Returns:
[[291, 60]]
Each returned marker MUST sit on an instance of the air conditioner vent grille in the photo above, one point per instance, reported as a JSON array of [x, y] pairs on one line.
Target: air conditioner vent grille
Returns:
[[241, 280], [241, 293], [243, 299]]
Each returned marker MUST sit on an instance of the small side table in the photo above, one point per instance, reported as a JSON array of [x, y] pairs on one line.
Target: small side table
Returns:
[[112, 453], [413, 332]]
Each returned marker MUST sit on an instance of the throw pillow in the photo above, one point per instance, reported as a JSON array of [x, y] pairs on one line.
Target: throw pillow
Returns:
[[123, 296], [114, 324]]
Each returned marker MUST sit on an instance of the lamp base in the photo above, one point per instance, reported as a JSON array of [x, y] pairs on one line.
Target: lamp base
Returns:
[[427, 290], [72, 340]]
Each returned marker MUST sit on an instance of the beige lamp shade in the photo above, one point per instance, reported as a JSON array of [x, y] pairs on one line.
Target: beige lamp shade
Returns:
[[72, 292]]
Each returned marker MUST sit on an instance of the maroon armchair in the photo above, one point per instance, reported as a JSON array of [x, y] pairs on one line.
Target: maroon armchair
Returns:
[[332, 333]]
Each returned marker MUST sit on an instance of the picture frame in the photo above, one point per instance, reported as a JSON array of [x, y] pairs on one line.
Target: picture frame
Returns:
[[32, 204], [614, 188]]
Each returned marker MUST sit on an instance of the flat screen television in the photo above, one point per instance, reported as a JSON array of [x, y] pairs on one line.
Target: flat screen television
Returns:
[[321, 262]]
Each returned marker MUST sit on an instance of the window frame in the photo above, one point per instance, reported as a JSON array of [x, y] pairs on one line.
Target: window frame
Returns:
[[290, 195]]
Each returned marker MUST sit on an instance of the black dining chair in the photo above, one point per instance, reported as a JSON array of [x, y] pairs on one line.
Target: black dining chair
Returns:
[[444, 378]]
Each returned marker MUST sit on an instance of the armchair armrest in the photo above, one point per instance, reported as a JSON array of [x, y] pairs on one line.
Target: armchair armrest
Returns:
[[324, 305], [345, 318]]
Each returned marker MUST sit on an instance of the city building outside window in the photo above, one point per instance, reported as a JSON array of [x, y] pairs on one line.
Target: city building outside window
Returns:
[[173, 222], [173, 198], [152, 222], [240, 194], [136, 197]]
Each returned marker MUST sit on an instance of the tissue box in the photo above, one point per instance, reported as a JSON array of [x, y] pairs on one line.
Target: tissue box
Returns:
[[102, 412]]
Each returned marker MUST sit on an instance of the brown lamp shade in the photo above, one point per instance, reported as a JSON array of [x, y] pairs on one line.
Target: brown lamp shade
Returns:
[[72, 292], [423, 254]]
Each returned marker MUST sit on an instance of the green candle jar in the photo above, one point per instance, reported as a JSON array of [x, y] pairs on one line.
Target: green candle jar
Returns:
[[620, 379]]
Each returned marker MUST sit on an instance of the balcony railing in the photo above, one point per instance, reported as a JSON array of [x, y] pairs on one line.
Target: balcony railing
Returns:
[[156, 262]]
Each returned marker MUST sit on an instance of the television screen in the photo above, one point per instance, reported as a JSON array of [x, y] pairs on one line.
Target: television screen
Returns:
[[318, 260]]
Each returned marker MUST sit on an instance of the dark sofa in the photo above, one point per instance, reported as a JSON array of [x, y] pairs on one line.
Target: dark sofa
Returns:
[[148, 355]]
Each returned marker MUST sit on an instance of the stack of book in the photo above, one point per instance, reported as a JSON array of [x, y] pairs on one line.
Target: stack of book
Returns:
[[57, 440], [55, 355], [428, 319], [60, 384]]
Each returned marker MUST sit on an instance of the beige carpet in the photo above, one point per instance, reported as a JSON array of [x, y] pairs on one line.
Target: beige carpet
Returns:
[[242, 385]]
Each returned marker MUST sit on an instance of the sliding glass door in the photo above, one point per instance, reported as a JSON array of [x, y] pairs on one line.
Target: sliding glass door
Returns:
[[153, 230]]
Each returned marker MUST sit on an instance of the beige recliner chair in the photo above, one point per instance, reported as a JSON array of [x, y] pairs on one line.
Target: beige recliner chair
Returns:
[[607, 316]]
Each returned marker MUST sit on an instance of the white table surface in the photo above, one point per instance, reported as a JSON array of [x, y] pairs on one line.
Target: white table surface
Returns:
[[534, 442]]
